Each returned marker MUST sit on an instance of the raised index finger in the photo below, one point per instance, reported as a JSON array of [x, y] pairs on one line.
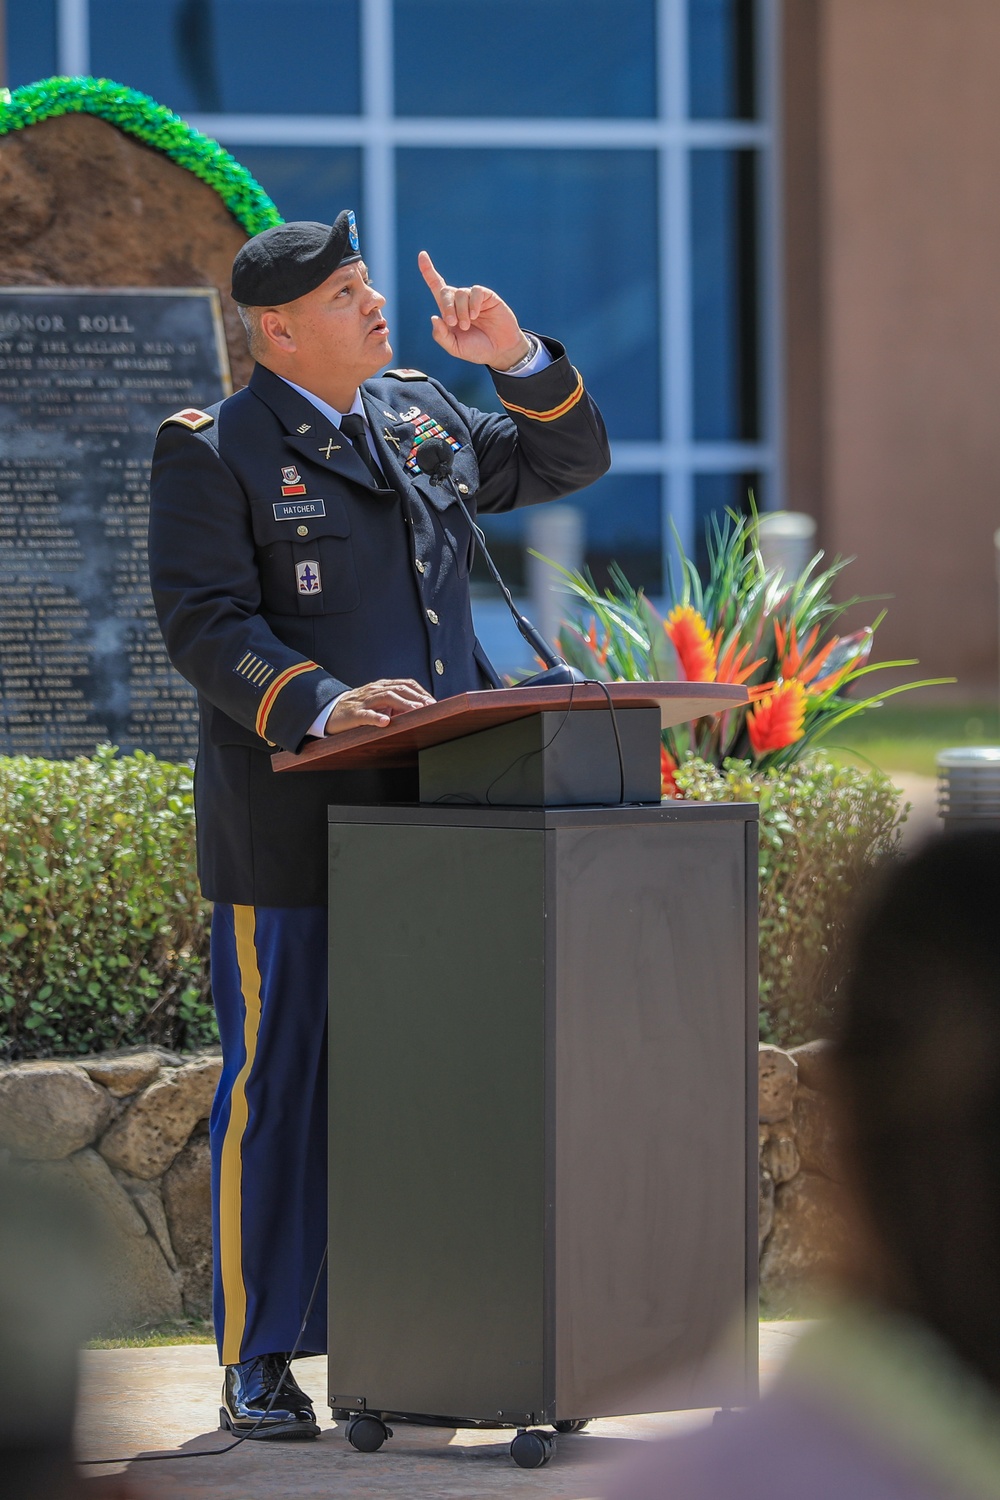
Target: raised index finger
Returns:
[[430, 273]]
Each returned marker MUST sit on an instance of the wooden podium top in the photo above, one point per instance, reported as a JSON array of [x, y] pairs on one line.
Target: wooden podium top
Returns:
[[398, 743]]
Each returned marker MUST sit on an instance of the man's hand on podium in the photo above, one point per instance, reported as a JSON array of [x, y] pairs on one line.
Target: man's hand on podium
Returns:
[[376, 703]]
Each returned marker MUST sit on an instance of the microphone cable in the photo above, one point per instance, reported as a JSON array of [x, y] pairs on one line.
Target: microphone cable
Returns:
[[618, 739], [529, 753], [154, 1458], [591, 682]]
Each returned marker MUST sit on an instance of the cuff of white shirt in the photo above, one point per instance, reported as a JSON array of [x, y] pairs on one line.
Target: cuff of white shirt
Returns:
[[317, 728], [538, 361]]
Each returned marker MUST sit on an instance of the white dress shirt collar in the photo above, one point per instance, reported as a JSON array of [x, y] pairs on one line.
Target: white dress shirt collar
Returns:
[[336, 417]]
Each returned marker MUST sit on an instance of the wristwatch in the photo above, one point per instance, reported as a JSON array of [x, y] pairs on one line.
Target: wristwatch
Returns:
[[533, 347]]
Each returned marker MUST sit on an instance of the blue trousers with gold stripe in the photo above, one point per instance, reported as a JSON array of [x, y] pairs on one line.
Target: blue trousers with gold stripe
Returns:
[[268, 1128]]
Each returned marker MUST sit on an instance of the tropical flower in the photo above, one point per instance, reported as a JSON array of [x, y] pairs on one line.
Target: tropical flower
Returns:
[[667, 768], [847, 655], [692, 642], [740, 623], [731, 663], [777, 719]]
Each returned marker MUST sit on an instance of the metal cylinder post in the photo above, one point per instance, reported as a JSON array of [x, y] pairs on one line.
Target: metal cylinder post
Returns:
[[787, 540], [557, 532], [969, 787]]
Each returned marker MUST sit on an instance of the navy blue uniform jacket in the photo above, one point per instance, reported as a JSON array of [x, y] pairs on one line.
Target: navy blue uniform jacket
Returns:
[[272, 603]]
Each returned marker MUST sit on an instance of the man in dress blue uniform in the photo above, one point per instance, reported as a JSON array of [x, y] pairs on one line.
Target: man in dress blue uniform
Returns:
[[309, 579]]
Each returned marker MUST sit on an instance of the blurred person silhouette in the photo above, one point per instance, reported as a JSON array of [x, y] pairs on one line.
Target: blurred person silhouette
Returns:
[[896, 1393], [49, 1290]]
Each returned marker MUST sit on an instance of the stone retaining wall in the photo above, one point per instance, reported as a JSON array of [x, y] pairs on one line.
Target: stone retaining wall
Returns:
[[799, 1223], [129, 1131]]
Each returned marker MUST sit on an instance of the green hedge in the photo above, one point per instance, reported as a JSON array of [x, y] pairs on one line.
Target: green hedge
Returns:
[[823, 829], [105, 935]]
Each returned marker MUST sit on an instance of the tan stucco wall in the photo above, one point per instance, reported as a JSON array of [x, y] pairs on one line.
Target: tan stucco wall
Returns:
[[908, 306]]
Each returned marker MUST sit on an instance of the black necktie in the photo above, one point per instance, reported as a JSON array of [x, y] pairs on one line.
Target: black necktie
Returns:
[[355, 428]]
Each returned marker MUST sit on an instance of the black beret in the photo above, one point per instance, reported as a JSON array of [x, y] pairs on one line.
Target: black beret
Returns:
[[290, 260]]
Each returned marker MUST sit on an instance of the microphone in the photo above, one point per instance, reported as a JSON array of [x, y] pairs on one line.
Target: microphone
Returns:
[[435, 458]]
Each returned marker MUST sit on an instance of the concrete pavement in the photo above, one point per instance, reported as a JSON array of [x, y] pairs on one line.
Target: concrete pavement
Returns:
[[150, 1400]]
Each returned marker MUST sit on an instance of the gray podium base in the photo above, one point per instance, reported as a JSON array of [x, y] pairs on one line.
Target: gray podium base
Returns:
[[543, 1183]]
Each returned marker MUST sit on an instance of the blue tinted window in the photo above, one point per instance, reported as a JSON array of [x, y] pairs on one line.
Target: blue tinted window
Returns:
[[307, 182], [714, 494], [567, 238], [245, 56], [525, 57], [31, 41], [622, 524], [724, 294], [721, 59]]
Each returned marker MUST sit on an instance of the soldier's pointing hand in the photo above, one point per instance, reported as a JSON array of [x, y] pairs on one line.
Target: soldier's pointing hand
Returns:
[[472, 322]]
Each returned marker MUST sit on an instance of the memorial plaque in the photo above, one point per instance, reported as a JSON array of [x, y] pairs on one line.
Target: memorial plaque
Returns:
[[86, 377]]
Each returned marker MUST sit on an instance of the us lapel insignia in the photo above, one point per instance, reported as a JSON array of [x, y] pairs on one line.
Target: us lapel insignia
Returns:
[[331, 447], [306, 427]]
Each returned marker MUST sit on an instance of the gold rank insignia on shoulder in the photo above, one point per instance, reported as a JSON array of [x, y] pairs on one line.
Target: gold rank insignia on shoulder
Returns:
[[402, 374], [191, 418]]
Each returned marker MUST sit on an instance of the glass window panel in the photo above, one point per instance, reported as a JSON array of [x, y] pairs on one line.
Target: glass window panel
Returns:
[[721, 70], [525, 57], [31, 41], [307, 182], [622, 523], [298, 57], [714, 494], [724, 293], [568, 238]]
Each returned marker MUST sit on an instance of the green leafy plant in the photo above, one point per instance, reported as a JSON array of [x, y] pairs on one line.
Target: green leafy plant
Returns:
[[104, 938], [823, 829], [743, 624]]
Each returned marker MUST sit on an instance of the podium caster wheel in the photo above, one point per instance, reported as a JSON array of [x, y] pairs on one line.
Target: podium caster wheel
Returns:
[[571, 1426], [367, 1434], [530, 1450]]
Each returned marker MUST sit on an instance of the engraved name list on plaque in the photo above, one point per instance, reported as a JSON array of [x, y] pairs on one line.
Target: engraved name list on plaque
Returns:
[[86, 377]]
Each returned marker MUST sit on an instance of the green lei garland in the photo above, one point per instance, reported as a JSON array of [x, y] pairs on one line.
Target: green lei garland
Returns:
[[155, 126]]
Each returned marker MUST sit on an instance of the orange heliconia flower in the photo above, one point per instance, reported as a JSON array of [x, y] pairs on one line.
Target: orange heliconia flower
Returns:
[[852, 652], [731, 663], [777, 719], [692, 642], [795, 662], [668, 786], [789, 655]]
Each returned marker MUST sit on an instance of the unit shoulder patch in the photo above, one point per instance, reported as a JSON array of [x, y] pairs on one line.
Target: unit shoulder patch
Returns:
[[403, 374], [191, 418]]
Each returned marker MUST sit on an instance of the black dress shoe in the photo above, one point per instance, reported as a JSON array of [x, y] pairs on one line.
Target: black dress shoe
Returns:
[[247, 1392]]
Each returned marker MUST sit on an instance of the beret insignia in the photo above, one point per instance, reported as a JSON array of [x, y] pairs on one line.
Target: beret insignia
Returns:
[[191, 418], [406, 374]]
